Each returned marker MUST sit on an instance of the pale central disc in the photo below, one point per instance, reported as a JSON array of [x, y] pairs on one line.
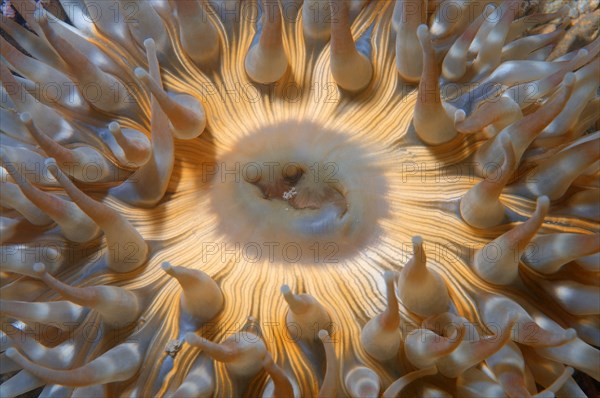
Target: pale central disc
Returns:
[[300, 193]]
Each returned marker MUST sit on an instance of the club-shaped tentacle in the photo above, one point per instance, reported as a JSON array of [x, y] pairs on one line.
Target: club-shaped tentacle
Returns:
[[422, 290], [129, 250], [201, 296], [305, 313], [266, 61], [197, 34], [481, 207], [498, 261], [430, 120], [118, 306], [351, 69], [380, 337]]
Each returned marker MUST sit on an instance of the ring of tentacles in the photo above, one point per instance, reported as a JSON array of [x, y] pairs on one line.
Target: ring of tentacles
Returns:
[[286, 198]]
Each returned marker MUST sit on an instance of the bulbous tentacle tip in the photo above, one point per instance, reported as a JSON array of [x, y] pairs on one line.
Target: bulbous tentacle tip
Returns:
[[431, 296], [362, 382], [329, 386], [390, 276], [459, 116], [569, 80], [542, 206], [193, 339], [185, 113], [114, 127], [417, 242], [424, 35], [324, 336], [168, 268], [52, 167], [150, 45], [39, 269], [25, 118], [570, 335], [504, 140], [285, 290], [296, 303], [141, 74], [132, 146], [13, 354]]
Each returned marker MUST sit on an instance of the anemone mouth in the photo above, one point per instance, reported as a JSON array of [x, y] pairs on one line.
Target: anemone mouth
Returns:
[[293, 188]]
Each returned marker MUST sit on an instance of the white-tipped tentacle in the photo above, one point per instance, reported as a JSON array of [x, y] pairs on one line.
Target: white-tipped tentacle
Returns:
[[282, 387], [201, 297], [524, 131], [546, 372], [116, 364], [576, 298], [351, 69], [60, 314], [186, 114], [266, 61], [423, 347], [408, 15], [397, 386], [586, 84], [553, 176], [489, 55], [128, 249], [380, 337], [242, 353], [329, 387], [75, 225], [497, 310], [197, 34], [305, 314], [84, 163], [28, 162], [432, 123], [481, 207], [148, 184], [20, 258], [577, 354], [118, 306], [147, 23], [498, 261], [550, 252], [131, 147], [470, 353], [422, 290], [54, 124], [12, 197]]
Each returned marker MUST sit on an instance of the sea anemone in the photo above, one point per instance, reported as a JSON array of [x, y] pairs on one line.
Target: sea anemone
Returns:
[[285, 198]]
